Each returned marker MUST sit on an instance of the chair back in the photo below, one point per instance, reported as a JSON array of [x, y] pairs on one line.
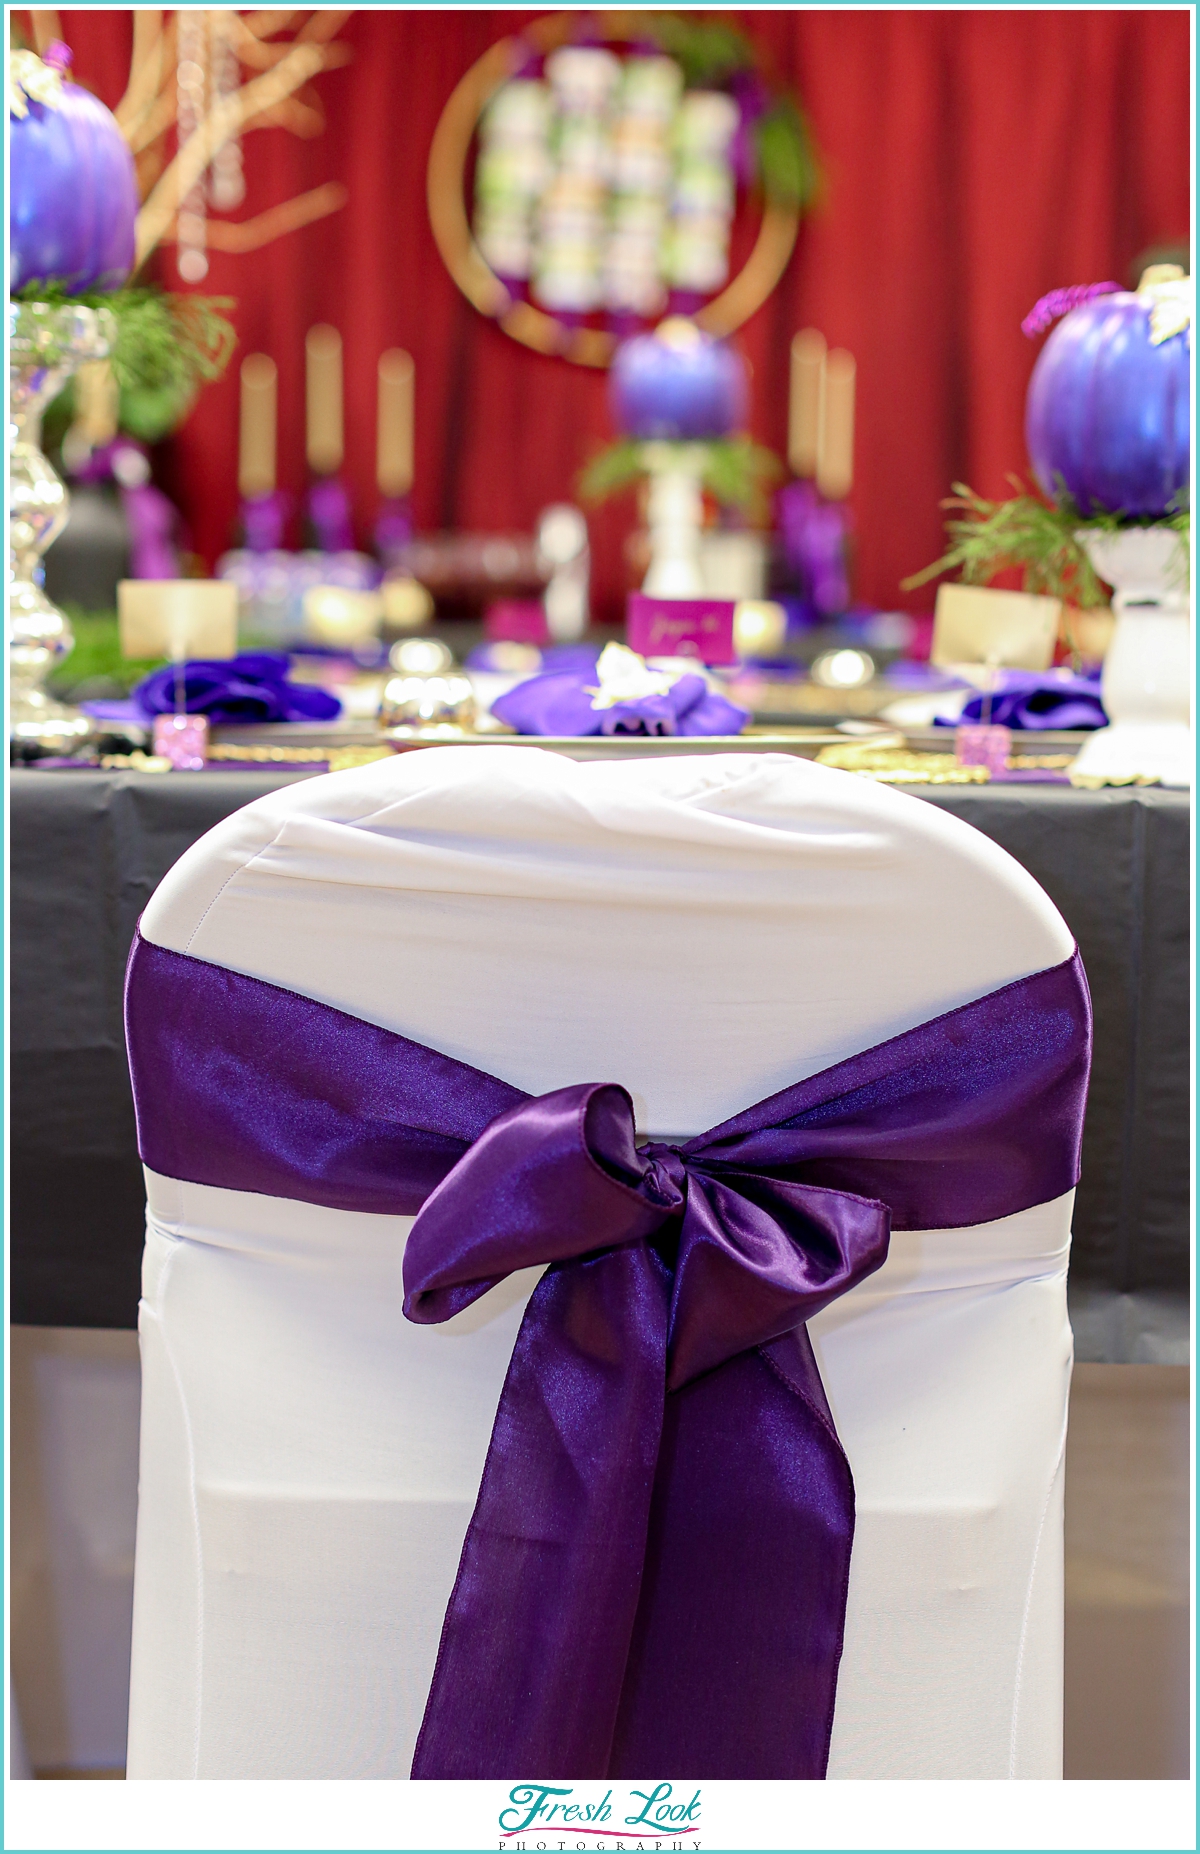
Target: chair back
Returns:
[[704, 930]]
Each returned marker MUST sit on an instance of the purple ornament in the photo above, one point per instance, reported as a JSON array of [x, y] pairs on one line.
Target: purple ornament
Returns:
[[678, 383], [329, 515], [1108, 415], [72, 194]]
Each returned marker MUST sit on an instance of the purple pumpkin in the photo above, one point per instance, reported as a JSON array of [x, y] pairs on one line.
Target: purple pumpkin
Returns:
[[1108, 415], [678, 383], [72, 195]]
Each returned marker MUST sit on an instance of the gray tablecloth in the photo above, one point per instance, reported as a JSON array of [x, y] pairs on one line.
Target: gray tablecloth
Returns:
[[89, 848]]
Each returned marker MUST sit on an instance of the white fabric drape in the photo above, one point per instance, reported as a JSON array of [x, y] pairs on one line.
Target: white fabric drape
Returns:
[[18, 1758], [705, 931]]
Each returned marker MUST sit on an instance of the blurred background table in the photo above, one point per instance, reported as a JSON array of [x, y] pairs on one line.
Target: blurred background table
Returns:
[[88, 849]]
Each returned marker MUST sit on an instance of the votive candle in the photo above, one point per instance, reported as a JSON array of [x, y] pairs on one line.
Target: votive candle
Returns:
[[324, 444], [835, 448], [804, 402], [394, 443], [256, 439]]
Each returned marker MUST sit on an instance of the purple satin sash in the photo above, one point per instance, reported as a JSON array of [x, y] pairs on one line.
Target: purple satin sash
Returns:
[[654, 1578]]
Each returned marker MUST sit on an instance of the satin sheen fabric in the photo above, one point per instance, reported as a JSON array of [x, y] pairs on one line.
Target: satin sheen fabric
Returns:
[[286, 1397], [688, 1268]]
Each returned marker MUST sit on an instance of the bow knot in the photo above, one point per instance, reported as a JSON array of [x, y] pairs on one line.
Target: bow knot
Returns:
[[744, 1256], [665, 1179]]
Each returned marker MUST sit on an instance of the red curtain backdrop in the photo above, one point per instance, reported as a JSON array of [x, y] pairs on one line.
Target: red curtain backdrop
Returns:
[[973, 159]]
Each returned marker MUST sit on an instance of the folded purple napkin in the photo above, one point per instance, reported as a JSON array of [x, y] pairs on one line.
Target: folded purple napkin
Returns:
[[495, 658], [561, 704], [253, 687], [1033, 699], [122, 710]]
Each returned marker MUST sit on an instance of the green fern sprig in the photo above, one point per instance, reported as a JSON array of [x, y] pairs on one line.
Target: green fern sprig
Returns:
[[1037, 537], [167, 347], [735, 471]]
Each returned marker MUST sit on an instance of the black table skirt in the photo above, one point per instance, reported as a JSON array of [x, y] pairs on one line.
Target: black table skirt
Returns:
[[88, 849]]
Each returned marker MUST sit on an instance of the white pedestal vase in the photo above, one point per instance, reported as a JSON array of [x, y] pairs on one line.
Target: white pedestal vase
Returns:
[[675, 517], [1146, 681]]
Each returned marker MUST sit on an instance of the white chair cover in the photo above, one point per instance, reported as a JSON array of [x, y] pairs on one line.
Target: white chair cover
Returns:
[[18, 1758], [704, 930]]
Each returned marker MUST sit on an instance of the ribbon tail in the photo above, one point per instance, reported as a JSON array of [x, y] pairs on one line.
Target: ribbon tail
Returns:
[[753, 1495], [536, 1634]]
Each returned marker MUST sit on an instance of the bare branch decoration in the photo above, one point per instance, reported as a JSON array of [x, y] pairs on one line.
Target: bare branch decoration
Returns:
[[250, 234], [148, 110], [145, 70]]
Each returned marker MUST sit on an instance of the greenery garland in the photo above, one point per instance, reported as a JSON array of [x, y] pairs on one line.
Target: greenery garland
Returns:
[[707, 51], [1038, 538], [167, 347], [711, 54], [96, 670], [735, 471]]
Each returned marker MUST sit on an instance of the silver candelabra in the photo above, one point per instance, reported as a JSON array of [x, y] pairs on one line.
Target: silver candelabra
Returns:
[[47, 342]]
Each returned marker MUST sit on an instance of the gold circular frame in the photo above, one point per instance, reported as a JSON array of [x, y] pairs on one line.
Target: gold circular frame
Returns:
[[445, 191]]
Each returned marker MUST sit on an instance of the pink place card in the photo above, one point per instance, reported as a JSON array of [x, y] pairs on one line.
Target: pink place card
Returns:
[[681, 627]]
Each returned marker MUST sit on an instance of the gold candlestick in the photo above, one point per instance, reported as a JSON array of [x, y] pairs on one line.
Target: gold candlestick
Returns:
[[323, 399], [804, 403], [394, 444], [835, 448], [256, 437]]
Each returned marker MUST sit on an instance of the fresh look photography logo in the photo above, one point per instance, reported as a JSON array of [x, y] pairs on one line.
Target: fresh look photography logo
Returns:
[[558, 1817]]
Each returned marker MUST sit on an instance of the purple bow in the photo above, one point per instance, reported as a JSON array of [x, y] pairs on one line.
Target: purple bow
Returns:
[[560, 704], [662, 1356], [655, 1573], [567, 1163], [251, 687]]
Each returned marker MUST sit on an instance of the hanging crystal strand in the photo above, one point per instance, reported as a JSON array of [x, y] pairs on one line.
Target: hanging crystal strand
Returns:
[[191, 80], [641, 185], [226, 184]]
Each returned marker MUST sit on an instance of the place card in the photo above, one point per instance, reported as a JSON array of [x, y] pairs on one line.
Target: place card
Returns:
[[703, 628], [177, 618], [981, 624]]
